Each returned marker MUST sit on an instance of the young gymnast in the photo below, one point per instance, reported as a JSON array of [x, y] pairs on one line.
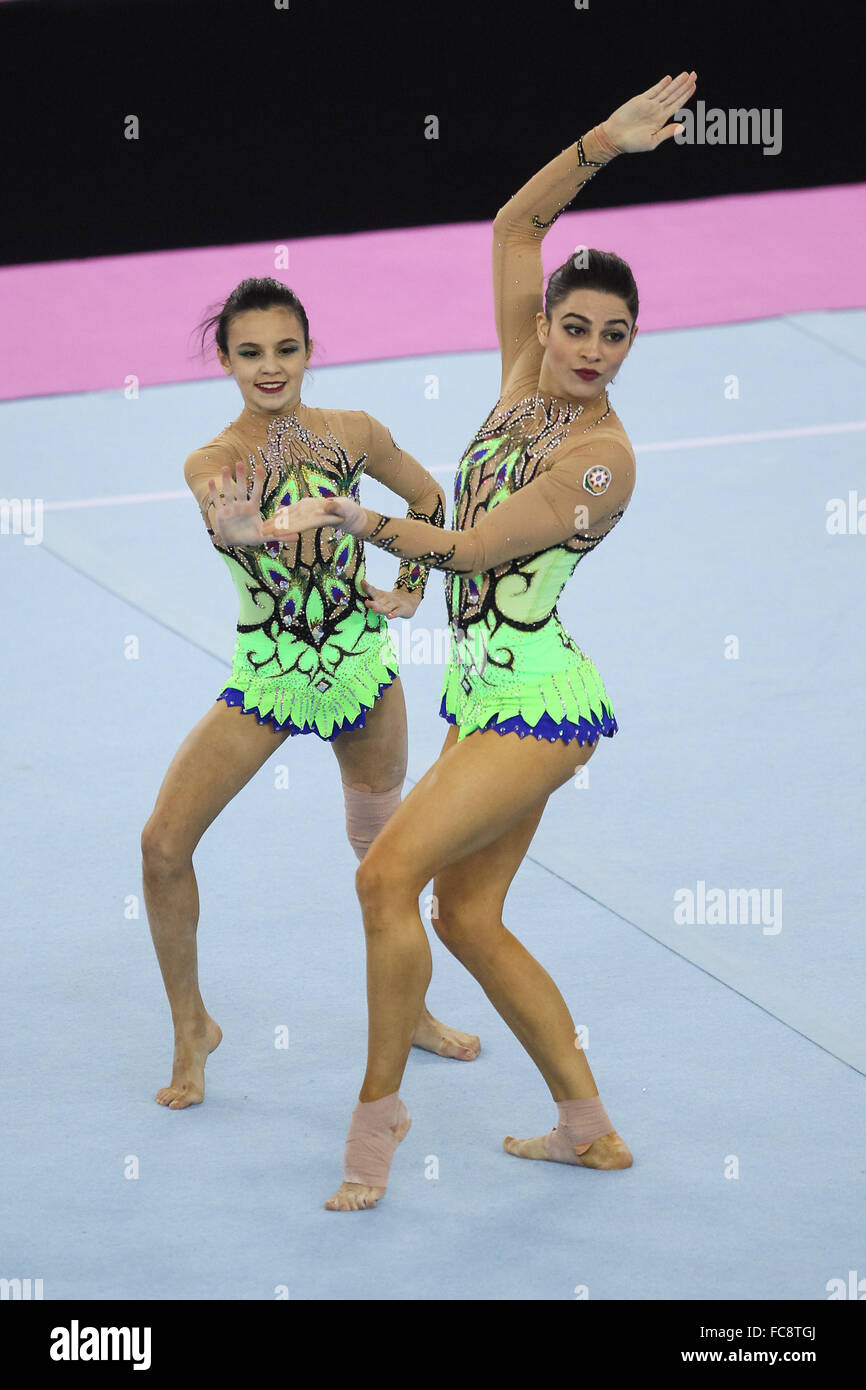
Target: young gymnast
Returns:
[[546, 478], [313, 653]]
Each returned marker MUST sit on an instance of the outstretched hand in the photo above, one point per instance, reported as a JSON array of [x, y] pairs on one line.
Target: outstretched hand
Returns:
[[394, 603], [644, 122], [237, 518]]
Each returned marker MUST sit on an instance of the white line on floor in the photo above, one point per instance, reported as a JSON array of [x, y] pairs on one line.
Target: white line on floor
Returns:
[[665, 446]]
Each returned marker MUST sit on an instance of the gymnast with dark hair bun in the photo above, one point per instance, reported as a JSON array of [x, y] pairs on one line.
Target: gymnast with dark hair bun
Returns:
[[546, 478]]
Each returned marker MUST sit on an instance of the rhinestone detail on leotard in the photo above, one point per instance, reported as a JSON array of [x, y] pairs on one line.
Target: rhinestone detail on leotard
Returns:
[[582, 163]]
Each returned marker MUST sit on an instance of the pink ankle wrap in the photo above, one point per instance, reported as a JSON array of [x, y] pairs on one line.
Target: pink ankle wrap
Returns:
[[367, 813], [371, 1142], [580, 1121]]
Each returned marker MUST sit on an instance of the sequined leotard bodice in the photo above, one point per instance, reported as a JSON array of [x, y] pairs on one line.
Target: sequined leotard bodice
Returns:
[[511, 653], [309, 654]]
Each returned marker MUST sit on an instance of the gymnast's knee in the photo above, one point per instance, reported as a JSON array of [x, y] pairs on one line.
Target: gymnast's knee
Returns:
[[164, 852], [466, 930], [384, 889]]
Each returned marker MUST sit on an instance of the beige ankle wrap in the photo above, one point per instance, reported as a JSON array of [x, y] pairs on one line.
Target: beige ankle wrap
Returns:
[[580, 1121], [371, 1141]]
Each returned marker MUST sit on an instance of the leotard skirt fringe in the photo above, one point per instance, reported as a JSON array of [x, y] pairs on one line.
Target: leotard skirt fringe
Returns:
[[325, 690], [541, 686]]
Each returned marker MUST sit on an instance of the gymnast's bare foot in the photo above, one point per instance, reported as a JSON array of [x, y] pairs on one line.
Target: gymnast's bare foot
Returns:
[[356, 1196], [191, 1048], [608, 1152], [433, 1036]]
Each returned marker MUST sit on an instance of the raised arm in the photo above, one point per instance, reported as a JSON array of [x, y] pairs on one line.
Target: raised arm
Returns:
[[518, 231], [519, 228], [403, 474]]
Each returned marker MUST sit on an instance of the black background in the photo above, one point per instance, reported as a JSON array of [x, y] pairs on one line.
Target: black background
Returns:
[[261, 124]]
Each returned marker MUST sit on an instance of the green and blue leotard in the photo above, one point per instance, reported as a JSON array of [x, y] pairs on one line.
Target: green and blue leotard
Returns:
[[543, 481], [531, 500], [310, 657]]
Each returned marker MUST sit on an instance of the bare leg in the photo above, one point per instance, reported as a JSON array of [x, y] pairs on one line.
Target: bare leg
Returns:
[[220, 755], [479, 793], [373, 759], [471, 896]]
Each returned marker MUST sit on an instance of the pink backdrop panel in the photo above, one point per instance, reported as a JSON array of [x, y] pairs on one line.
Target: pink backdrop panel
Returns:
[[86, 325]]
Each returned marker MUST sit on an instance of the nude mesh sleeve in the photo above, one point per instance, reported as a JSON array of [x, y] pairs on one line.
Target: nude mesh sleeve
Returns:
[[403, 474], [518, 231], [582, 494]]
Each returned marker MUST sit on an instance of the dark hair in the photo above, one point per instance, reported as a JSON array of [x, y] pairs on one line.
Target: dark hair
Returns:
[[605, 272], [251, 294]]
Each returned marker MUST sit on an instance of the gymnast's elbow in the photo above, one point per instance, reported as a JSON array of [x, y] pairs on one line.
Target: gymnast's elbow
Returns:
[[506, 224], [471, 560]]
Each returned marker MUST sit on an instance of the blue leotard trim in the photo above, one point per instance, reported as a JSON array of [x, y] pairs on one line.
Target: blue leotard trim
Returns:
[[586, 731], [234, 697]]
